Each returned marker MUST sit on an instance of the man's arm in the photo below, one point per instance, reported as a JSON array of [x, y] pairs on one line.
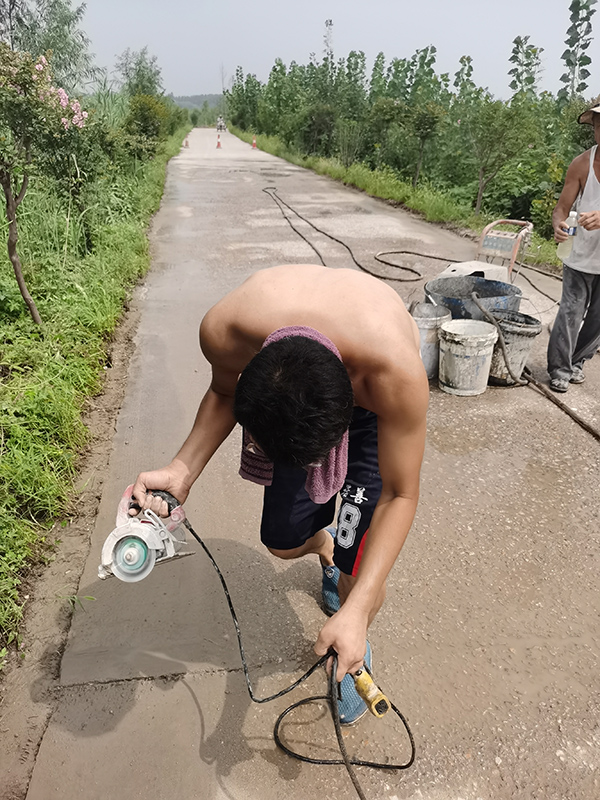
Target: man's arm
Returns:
[[573, 186], [213, 424], [401, 442]]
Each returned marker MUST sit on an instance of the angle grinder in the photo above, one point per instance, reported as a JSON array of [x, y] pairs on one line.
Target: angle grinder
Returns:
[[137, 544]]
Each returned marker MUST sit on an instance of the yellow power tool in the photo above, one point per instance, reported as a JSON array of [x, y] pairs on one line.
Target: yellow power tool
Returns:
[[376, 701]]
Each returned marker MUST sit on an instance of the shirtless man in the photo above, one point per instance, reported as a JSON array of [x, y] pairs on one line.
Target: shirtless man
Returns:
[[297, 400], [571, 343]]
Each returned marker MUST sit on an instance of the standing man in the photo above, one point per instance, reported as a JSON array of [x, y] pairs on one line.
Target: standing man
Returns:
[[322, 369], [571, 343]]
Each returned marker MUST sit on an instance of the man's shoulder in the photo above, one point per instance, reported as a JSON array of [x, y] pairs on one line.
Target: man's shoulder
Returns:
[[215, 333], [581, 163], [397, 384]]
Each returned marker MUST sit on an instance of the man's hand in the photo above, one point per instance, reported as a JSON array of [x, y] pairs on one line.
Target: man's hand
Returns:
[[560, 231], [172, 479], [590, 220], [346, 632]]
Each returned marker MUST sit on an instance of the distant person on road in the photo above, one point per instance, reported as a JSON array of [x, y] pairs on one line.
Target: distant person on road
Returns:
[[322, 369], [571, 343]]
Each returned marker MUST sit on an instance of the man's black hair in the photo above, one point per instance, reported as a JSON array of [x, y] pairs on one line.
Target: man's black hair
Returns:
[[295, 399]]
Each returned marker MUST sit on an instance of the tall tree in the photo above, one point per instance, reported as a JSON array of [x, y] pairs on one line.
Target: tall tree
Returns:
[[11, 16], [53, 26], [463, 79], [398, 79], [139, 73], [527, 67], [353, 102], [497, 132], [378, 84], [423, 80], [579, 38], [424, 121]]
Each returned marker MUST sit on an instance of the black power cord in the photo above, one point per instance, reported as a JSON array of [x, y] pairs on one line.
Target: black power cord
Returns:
[[271, 191], [331, 697], [529, 379]]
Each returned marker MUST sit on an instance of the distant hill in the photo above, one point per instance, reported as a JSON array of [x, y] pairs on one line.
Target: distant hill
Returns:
[[198, 100]]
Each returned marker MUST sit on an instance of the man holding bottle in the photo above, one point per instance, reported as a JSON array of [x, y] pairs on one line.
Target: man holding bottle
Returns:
[[571, 342]]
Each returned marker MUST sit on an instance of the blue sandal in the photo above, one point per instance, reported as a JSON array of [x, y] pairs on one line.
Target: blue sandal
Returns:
[[352, 707], [331, 576]]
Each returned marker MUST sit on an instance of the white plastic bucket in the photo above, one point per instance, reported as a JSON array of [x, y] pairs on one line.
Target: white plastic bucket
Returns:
[[466, 347], [428, 319]]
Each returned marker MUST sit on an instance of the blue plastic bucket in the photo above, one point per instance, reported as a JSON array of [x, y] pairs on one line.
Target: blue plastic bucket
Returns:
[[455, 293]]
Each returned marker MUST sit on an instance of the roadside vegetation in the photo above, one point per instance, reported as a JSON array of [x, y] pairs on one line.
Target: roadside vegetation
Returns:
[[206, 115], [438, 144], [81, 178]]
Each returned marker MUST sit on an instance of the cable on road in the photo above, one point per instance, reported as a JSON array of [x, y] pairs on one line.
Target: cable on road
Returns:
[[331, 697], [271, 191], [529, 380]]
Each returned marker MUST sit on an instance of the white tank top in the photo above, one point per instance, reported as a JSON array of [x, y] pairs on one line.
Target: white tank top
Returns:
[[585, 255]]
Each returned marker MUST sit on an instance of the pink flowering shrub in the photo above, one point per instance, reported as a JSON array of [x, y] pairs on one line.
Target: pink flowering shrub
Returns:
[[36, 119], [33, 111]]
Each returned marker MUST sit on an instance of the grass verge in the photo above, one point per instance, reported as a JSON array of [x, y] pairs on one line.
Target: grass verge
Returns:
[[432, 204], [47, 373]]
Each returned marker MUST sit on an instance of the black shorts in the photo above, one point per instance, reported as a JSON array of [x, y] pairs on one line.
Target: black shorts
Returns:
[[290, 517]]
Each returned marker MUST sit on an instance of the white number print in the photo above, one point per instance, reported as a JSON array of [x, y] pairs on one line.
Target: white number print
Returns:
[[348, 522]]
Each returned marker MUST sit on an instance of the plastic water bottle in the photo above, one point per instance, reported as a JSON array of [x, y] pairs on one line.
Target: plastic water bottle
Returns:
[[564, 248]]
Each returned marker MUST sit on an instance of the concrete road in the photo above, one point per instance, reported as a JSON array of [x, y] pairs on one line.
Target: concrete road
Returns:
[[490, 636]]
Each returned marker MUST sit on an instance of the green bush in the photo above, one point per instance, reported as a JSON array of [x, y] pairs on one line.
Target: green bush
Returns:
[[146, 124]]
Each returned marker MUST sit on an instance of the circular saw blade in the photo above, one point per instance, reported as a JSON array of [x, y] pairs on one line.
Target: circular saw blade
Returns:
[[132, 559]]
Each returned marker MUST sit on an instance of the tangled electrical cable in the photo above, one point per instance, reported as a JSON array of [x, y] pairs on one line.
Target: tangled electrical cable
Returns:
[[271, 191], [331, 697]]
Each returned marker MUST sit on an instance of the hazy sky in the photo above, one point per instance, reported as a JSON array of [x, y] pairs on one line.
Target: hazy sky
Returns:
[[193, 40]]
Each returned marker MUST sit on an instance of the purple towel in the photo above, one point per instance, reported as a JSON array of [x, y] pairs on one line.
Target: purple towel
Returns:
[[322, 482]]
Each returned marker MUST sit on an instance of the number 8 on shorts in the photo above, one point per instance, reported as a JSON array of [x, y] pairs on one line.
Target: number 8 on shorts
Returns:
[[348, 522]]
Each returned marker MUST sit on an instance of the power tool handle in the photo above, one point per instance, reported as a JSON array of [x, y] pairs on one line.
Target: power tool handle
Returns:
[[172, 502]]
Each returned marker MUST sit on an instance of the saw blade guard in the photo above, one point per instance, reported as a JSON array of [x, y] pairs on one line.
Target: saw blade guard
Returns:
[[137, 544]]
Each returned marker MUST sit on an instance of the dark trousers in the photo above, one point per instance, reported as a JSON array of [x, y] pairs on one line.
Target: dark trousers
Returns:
[[572, 343]]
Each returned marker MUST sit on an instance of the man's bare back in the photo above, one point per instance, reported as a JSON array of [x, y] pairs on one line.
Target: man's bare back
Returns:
[[365, 318]]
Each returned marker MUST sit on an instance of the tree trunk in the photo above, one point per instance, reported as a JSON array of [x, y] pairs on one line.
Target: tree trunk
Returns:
[[12, 203], [418, 172], [483, 184], [479, 196]]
